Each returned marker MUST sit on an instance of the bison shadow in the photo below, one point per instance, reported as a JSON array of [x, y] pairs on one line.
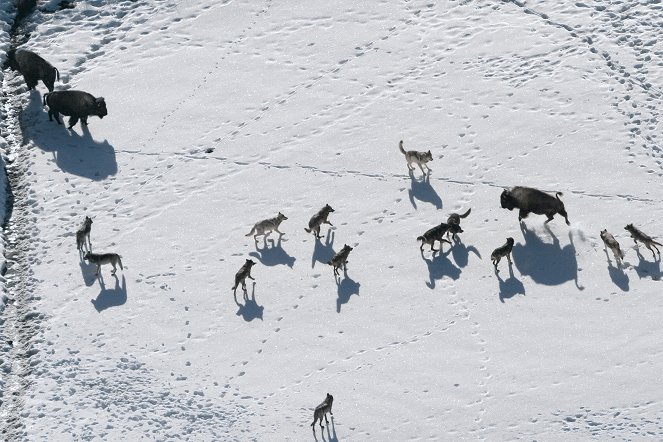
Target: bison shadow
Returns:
[[73, 152], [439, 267], [273, 254], [422, 190], [461, 253], [346, 287], [250, 310], [617, 274], [648, 269], [111, 297], [323, 252], [510, 287], [546, 263]]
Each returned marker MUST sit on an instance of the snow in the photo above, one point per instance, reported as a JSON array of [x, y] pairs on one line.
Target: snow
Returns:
[[221, 114]]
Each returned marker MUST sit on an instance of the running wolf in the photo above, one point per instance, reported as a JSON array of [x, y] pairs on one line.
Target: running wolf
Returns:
[[318, 220], [611, 243], [437, 234], [265, 227], [243, 273], [501, 252], [340, 259], [413, 156], [647, 240]]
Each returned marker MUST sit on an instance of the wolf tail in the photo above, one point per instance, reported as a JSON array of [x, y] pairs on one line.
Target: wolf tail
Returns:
[[420, 238], [307, 230], [464, 215], [400, 146], [251, 232]]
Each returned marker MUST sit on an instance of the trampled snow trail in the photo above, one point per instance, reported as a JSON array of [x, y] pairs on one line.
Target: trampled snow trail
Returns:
[[222, 114]]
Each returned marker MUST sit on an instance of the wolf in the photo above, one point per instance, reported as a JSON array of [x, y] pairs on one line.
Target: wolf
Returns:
[[454, 220], [104, 258], [340, 259], [611, 243], [265, 227], [83, 234], [322, 410], [413, 156], [318, 220], [647, 240], [500, 252], [243, 273], [437, 234]]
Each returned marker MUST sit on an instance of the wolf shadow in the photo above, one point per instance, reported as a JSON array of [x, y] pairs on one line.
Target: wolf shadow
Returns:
[[111, 297], [461, 253], [439, 267], [421, 190], [74, 153], [509, 287], [250, 310], [273, 254], [346, 287], [546, 263], [331, 436], [647, 269], [323, 253], [87, 270], [617, 274]]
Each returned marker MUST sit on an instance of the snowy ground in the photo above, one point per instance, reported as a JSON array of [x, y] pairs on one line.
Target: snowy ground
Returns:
[[225, 113]]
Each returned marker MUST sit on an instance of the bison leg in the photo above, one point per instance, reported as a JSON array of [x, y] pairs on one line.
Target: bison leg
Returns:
[[84, 121], [72, 121], [550, 218], [56, 115], [522, 214]]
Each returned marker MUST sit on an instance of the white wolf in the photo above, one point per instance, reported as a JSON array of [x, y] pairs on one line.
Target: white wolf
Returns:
[[413, 156], [265, 227]]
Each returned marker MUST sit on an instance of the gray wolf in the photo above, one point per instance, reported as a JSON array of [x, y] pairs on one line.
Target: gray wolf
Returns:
[[83, 234], [437, 234], [318, 219], [241, 275], [413, 156], [75, 104], [33, 68], [265, 227], [647, 240], [340, 259], [104, 258], [611, 243], [501, 252], [532, 200], [322, 410], [454, 220]]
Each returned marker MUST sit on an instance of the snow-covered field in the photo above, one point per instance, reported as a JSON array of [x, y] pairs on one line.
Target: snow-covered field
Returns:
[[221, 114]]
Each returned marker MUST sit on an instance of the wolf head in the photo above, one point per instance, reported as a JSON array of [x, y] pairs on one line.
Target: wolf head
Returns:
[[88, 221], [510, 241], [281, 216], [329, 399], [629, 227], [428, 156], [250, 262], [328, 208]]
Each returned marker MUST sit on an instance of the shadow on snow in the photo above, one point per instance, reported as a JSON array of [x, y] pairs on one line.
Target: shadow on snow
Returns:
[[111, 297]]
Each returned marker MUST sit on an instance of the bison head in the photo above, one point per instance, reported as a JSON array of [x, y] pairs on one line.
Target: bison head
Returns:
[[507, 200], [100, 107]]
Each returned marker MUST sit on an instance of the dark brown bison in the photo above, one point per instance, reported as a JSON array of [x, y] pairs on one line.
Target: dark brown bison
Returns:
[[33, 68], [74, 104], [533, 200]]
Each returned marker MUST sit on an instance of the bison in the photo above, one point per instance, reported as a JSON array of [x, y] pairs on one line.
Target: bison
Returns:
[[33, 68], [533, 200], [75, 104]]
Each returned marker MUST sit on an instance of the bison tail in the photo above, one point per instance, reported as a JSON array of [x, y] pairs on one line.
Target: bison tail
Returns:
[[46, 95], [57, 73], [558, 194]]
